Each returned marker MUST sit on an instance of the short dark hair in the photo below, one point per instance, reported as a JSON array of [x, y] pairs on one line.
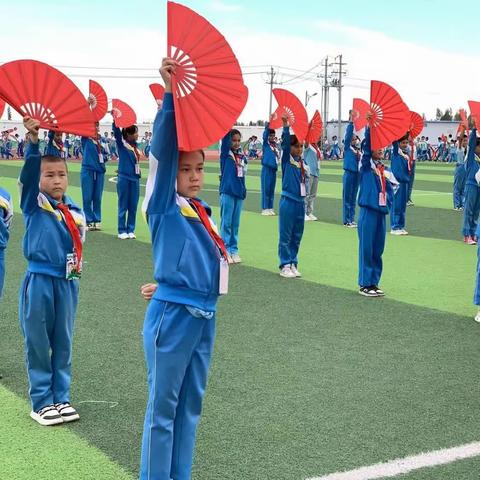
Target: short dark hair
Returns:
[[131, 130], [293, 140], [271, 131], [54, 159], [405, 137], [234, 131]]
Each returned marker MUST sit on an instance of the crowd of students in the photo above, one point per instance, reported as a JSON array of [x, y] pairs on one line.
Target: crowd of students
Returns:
[[191, 256]]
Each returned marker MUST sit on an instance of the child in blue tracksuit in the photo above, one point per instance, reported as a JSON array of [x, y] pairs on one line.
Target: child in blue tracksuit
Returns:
[[270, 161], [128, 181], [460, 174], [92, 176], [191, 270], [311, 156], [6, 214], [52, 245], [375, 200], [233, 168], [401, 171], [7, 148], [55, 146], [351, 161], [292, 203], [472, 190], [412, 165]]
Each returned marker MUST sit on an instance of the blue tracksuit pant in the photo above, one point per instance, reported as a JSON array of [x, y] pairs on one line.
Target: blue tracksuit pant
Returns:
[[472, 210], [230, 210], [268, 179], [476, 295], [92, 190], [397, 215], [459, 186], [291, 224], [47, 307], [178, 347], [410, 183], [128, 194], [350, 190], [371, 235], [2, 270]]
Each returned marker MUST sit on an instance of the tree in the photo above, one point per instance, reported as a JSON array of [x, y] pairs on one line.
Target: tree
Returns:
[[9, 113], [447, 116], [457, 117], [439, 114]]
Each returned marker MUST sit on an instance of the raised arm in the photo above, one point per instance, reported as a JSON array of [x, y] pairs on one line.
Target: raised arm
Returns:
[[161, 182], [29, 179], [367, 150], [117, 133], [348, 135], [225, 150], [285, 142]]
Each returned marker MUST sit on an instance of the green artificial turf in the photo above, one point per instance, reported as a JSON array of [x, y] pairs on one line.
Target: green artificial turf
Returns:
[[308, 378]]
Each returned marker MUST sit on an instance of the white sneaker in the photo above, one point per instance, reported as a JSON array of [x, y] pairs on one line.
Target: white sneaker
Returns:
[[67, 412], [403, 232], [265, 213], [47, 416], [98, 226], [132, 236], [236, 258], [313, 217], [477, 317], [286, 272], [294, 270], [230, 260], [307, 218], [396, 232], [123, 236], [272, 212]]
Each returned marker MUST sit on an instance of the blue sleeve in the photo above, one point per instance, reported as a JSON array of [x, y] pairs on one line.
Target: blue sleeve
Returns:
[[265, 133], [367, 151], [29, 179], [472, 141], [164, 149], [225, 150], [285, 146], [348, 135], [118, 135], [395, 147]]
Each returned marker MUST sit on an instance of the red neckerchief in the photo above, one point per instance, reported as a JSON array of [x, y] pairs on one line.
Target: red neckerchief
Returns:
[[97, 144], [410, 157], [58, 145], [380, 171], [317, 150], [302, 169], [238, 157], [205, 219], [74, 233], [273, 146]]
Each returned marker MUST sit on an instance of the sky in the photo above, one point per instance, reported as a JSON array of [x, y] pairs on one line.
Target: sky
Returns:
[[427, 49]]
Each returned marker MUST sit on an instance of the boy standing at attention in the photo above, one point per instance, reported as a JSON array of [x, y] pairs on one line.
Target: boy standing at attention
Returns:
[[52, 245]]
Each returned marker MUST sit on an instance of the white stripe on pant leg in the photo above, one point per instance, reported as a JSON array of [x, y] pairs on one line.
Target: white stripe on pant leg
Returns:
[[404, 465], [154, 389]]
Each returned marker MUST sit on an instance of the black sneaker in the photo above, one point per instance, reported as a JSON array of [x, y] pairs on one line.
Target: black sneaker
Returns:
[[380, 293], [368, 292]]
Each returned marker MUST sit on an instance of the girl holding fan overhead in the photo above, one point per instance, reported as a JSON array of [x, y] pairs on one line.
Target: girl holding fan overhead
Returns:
[[233, 168], [292, 203], [128, 183], [270, 161]]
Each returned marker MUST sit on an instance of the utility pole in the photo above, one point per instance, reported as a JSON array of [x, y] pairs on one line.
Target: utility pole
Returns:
[[325, 87], [339, 86], [272, 74]]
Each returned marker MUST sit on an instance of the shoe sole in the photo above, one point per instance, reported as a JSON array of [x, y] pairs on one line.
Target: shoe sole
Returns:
[[70, 418], [44, 422], [364, 294]]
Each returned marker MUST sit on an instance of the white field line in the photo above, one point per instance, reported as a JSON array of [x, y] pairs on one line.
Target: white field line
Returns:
[[401, 466]]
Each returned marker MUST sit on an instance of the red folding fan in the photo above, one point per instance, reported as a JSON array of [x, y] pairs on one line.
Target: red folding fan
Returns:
[[123, 114], [209, 93], [40, 91], [314, 128], [360, 109], [157, 92], [2, 107], [98, 99], [475, 112], [416, 125], [290, 105], [390, 117]]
